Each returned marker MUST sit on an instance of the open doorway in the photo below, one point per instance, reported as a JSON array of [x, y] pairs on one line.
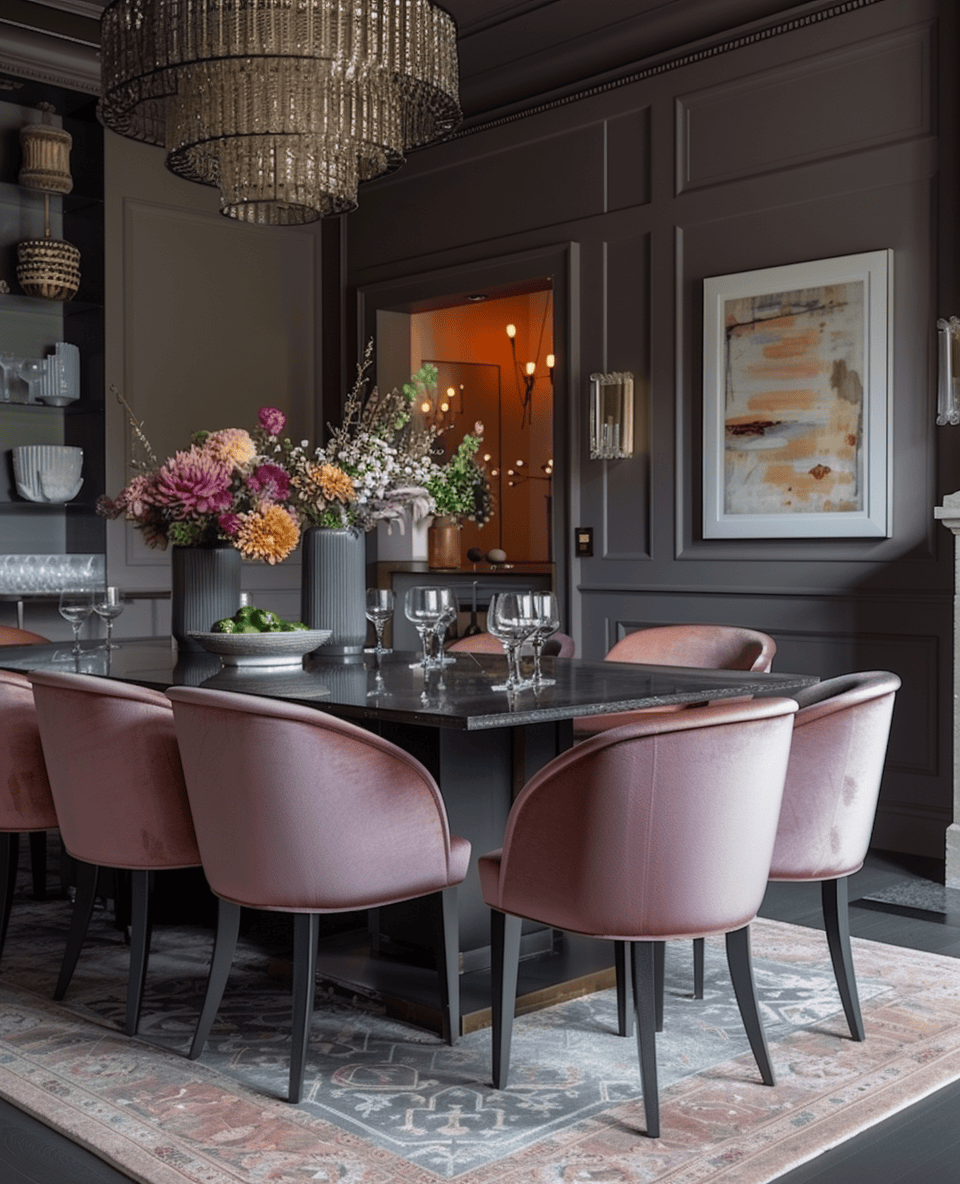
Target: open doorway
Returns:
[[494, 354]]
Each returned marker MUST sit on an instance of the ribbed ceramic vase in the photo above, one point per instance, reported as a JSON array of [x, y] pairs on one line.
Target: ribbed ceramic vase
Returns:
[[205, 587], [333, 587]]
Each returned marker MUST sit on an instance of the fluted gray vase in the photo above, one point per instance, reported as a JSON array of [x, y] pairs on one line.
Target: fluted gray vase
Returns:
[[204, 588], [333, 587]]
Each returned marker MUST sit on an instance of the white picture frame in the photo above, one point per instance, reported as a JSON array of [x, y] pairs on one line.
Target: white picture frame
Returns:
[[796, 400]]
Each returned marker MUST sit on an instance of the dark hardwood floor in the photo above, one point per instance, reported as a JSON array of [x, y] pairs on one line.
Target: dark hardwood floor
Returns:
[[918, 1146]]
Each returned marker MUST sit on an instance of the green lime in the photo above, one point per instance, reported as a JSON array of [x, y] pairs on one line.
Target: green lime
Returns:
[[298, 625], [245, 613], [227, 625], [245, 627], [263, 618]]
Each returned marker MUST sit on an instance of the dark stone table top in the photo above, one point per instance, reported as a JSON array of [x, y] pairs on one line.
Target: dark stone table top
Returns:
[[462, 698]]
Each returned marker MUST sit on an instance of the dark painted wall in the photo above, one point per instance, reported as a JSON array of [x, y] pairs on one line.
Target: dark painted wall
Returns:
[[833, 138]]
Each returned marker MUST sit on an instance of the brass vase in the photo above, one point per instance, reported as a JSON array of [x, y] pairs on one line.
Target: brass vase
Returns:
[[443, 543]]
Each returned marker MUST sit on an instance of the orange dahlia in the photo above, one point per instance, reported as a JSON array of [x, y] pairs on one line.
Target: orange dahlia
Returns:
[[269, 533]]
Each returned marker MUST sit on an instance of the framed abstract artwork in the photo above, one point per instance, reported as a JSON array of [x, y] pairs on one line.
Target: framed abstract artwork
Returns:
[[796, 378]]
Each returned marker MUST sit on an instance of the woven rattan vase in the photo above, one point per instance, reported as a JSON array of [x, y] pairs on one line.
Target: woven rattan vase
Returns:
[[48, 267]]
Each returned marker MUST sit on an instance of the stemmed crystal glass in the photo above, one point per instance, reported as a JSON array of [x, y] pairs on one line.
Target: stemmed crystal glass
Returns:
[[447, 617], [510, 618], [108, 605], [546, 610], [425, 608], [76, 605], [379, 611]]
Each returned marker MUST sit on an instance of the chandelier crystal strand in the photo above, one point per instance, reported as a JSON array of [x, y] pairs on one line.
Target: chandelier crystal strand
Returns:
[[285, 105]]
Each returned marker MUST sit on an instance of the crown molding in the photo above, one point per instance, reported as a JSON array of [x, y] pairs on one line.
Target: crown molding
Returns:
[[86, 8], [48, 58]]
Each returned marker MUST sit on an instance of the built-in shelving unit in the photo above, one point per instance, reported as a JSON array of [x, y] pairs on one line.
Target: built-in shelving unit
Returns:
[[30, 326]]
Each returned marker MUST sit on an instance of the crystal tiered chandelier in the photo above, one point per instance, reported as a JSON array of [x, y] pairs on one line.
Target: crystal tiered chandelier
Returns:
[[284, 105]]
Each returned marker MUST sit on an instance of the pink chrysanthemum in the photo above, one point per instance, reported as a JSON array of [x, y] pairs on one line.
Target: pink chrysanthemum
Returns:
[[193, 481], [270, 480], [134, 500], [272, 420], [231, 446], [229, 523]]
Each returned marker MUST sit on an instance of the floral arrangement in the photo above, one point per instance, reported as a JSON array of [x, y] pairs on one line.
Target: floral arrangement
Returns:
[[226, 487], [255, 489], [376, 465]]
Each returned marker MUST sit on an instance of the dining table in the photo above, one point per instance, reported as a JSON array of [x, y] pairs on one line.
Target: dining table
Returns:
[[481, 745]]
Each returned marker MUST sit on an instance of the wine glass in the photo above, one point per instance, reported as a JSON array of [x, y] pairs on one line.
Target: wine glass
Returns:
[[76, 605], [379, 611], [448, 614], [510, 618], [424, 607], [108, 604], [546, 610]]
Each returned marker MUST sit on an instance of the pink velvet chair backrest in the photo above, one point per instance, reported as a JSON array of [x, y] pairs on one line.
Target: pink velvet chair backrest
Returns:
[[660, 828], [713, 647], [12, 636], [833, 780], [296, 809], [559, 645], [25, 801], [114, 769]]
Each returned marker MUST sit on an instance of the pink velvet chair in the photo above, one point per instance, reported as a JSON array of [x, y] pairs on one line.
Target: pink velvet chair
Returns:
[[10, 635], [830, 798], [114, 767], [299, 812], [26, 806], [660, 829], [559, 645], [710, 647]]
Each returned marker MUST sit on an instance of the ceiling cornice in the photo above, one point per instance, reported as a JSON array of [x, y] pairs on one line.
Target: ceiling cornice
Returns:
[[49, 58]]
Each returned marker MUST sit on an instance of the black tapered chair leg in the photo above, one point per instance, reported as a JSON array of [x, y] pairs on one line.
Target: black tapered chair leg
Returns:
[[505, 951], [87, 876], [699, 949], [9, 854], [448, 964], [140, 885], [626, 1008], [643, 958], [225, 943], [741, 971], [836, 918], [306, 941], [659, 963], [38, 863]]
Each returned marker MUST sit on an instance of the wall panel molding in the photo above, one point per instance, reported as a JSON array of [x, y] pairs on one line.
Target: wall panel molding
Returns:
[[839, 103]]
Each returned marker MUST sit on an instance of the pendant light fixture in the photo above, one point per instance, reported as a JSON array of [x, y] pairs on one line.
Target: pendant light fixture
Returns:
[[285, 105]]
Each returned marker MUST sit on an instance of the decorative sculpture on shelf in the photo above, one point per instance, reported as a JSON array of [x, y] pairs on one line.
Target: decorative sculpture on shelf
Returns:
[[47, 267], [53, 380]]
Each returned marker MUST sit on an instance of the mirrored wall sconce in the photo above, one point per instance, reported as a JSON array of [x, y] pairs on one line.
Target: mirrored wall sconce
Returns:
[[948, 391], [611, 415]]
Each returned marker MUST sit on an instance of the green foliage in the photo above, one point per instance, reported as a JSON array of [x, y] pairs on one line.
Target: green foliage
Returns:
[[460, 487]]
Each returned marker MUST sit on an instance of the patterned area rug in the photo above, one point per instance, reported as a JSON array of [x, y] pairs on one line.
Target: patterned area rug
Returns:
[[388, 1104]]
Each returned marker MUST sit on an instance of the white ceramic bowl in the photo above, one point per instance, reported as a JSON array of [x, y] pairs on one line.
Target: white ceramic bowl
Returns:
[[263, 649], [47, 472]]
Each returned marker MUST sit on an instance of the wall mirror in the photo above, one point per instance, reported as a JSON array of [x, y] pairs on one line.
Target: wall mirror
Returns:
[[496, 360]]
